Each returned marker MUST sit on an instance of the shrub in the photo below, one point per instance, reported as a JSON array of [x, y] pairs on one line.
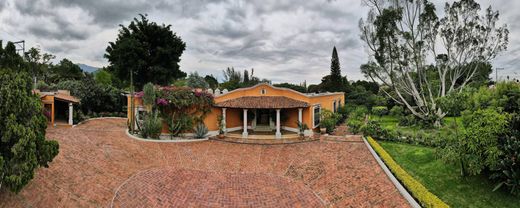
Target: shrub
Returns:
[[418, 191], [374, 129], [477, 147], [95, 98], [408, 120], [152, 126], [380, 110], [507, 172], [343, 111], [358, 112], [23, 146], [329, 124], [179, 123], [354, 125], [397, 111], [329, 120], [201, 131]]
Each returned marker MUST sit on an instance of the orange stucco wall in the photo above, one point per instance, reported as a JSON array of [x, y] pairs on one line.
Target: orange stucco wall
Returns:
[[233, 116]]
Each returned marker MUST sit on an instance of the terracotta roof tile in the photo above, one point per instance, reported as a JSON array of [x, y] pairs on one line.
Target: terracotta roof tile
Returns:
[[265, 102]]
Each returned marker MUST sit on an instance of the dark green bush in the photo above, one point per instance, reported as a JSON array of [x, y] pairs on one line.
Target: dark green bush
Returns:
[[408, 120], [397, 111], [380, 110], [507, 172], [374, 129], [358, 112], [354, 125]]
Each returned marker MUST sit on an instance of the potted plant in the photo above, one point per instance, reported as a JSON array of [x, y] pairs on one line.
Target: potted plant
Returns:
[[221, 127], [323, 130], [301, 129]]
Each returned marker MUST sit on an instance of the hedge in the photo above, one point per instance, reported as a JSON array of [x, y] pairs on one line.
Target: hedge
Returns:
[[418, 191]]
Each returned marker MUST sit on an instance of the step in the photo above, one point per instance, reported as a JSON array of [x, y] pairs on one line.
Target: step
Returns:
[[262, 128]]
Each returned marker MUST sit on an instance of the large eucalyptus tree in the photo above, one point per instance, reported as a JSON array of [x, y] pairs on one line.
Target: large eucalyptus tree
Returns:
[[420, 56]]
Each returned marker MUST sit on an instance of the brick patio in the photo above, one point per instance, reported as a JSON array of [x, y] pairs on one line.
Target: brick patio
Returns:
[[97, 160]]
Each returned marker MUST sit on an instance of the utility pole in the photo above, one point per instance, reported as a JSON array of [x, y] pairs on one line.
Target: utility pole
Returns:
[[20, 46], [496, 74]]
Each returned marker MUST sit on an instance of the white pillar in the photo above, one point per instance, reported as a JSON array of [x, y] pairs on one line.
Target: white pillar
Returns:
[[300, 115], [71, 109], [224, 120], [244, 133], [278, 133]]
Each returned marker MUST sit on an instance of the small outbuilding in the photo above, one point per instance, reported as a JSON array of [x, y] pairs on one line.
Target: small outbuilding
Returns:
[[58, 106]]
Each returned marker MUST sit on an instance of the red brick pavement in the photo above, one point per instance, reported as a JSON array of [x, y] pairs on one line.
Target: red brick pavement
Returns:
[[96, 158]]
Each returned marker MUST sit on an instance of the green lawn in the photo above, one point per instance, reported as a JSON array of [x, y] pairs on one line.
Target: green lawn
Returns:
[[444, 180], [391, 122]]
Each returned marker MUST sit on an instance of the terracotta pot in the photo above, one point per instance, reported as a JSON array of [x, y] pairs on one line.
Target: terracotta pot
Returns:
[[323, 130], [221, 136]]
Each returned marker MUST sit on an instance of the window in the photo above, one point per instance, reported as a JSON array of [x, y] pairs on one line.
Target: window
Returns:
[[334, 107], [263, 91], [317, 110]]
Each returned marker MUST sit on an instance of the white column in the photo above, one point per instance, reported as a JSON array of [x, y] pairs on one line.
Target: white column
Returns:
[[278, 133], [71, 109], [224, 120], [244, 133], [300, 115]]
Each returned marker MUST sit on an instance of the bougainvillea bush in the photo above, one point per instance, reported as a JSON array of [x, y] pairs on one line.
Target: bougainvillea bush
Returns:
[[181, 106]]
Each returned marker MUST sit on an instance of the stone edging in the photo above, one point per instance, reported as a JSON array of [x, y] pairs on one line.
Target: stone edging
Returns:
[[165, 141], [97, 118], [392, 178]]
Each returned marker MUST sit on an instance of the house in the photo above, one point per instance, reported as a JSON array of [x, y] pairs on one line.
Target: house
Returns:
[[265, 110], [58, 106]]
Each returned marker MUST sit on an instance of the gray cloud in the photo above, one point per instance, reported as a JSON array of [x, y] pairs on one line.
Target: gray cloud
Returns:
[[285, 41]]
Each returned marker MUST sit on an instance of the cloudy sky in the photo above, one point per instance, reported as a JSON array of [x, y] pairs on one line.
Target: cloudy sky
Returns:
[[283, 40]]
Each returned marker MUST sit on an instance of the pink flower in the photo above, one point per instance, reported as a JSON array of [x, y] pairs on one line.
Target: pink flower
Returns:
[[139, 94], [162, 102]]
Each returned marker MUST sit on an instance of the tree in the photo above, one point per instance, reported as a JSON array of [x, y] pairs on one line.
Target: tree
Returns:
[[196, 81], [292, 86], [334, 82], [66, 70], [23, 146], [406, 38], [10, 59], [335, 69], [212, 81], [150, 50], [39, 63], [103, 77]]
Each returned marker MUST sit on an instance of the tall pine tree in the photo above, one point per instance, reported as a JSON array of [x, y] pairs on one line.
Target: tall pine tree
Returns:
[[335, 69], [334, 82]]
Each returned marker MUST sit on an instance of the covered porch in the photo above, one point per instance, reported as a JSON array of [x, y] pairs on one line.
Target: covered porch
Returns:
[[262, 117]]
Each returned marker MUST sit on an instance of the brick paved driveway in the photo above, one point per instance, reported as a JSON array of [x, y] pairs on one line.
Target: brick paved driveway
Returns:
[[99, 166]]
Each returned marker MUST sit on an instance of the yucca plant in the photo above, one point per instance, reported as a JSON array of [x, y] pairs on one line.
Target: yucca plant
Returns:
[[201, 131], [179, 124]]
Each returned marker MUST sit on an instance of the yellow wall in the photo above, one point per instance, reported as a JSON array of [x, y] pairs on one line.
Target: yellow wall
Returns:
[[233, 116]]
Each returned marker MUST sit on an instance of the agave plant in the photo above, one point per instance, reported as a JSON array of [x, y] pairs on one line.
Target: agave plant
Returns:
[[201, 131]]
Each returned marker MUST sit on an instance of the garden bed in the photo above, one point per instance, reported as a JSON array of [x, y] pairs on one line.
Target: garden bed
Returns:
[[167, 139]]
